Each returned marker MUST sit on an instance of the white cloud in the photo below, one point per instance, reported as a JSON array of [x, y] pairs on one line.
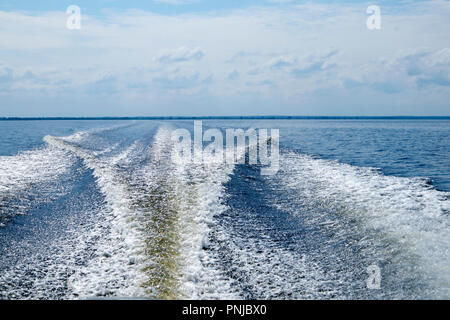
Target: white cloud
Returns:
[[409, 70], [283, 56], [181, 54]]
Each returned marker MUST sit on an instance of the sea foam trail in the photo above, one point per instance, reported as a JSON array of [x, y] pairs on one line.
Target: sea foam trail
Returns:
[[154, 237], [177, 213], [19, 173], [406, 213], [113, 270]]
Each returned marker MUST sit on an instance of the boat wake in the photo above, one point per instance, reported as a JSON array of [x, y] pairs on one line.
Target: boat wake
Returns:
[[127, 221]]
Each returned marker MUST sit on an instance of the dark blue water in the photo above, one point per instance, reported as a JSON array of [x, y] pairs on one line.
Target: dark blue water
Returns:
[[407, 148], [97, 208]]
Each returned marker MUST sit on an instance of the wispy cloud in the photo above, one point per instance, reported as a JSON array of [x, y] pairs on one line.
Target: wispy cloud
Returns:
[[180, 55]]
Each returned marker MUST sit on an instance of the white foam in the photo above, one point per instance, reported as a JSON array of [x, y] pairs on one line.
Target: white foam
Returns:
[[30, 166], [201, 278], [83, 134], [19, 172], [120, 256], [405, 210], [193, 193], [111, 272]]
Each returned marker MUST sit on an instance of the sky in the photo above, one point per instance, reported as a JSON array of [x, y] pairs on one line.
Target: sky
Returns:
[[224, 57]]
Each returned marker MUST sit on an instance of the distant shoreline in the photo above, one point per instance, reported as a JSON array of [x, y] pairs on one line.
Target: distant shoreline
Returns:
[[234, 118]]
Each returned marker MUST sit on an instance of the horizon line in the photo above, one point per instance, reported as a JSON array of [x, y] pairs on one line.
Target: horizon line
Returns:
[[269, 117]]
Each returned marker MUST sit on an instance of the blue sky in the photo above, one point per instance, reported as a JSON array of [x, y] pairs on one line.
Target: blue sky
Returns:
[[197, 57], [169, 7]]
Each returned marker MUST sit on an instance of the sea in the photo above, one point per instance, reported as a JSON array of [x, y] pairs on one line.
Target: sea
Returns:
[[98, 209]]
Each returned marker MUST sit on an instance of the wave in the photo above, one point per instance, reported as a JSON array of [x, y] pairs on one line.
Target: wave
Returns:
[[112, 271], [177, 210], [30, 175], [402, 220], [159, 215], [171, 230]]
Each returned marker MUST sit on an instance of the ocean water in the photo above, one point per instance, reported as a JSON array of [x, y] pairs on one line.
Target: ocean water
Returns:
[[93, 209]]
